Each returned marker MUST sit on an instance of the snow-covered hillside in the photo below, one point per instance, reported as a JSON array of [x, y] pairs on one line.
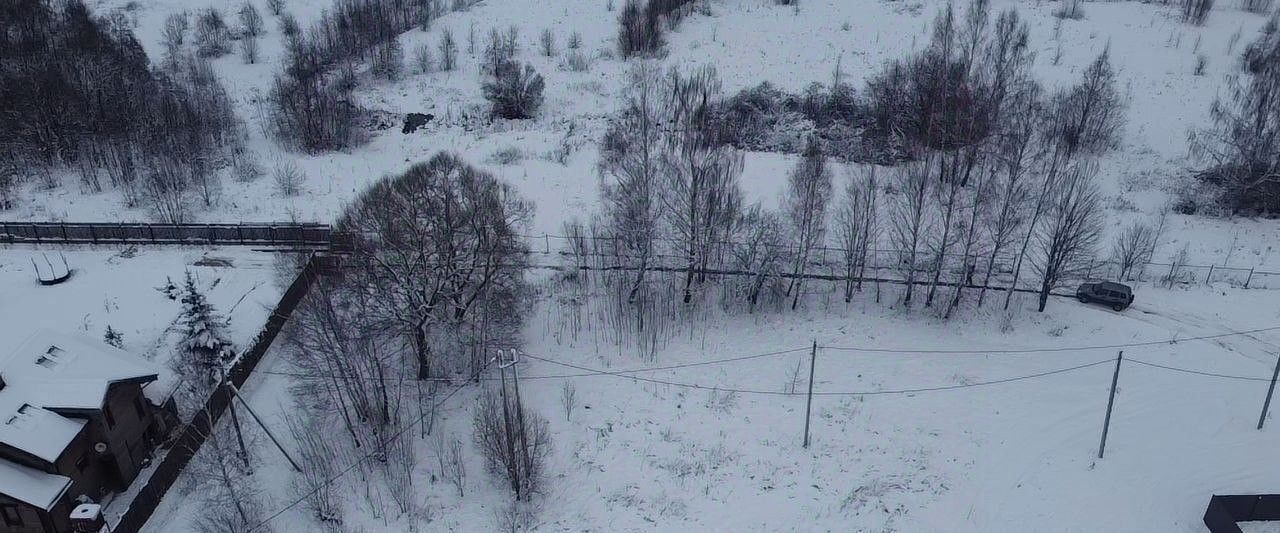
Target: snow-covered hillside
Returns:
[[748, 41]]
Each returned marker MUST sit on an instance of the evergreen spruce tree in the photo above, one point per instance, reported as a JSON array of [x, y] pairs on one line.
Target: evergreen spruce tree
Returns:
[[204, 344]]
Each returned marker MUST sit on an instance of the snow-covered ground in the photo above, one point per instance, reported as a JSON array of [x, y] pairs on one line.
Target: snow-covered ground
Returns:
[[115, 286], [648, 454]]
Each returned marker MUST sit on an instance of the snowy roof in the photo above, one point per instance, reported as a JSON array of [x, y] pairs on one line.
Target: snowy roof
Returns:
[[62, 371], [50, 371], [32, 486]]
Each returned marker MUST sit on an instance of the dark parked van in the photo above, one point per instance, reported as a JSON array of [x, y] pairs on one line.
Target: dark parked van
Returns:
[[1116, 295]]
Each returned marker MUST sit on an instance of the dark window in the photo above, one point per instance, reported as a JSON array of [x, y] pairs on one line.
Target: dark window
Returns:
[[111, 419], [137, 404], [11, 515], [82, 463]]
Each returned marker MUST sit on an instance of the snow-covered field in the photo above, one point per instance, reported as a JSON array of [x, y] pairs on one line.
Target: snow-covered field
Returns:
[[676, 449], [115, 286]]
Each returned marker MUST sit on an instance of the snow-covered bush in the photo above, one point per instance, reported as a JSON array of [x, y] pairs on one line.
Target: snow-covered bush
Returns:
[[514, 92], [388, 60]]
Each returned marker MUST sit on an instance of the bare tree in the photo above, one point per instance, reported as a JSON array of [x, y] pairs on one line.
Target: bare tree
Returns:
[[439, 246], [318, 454], [630, 168], [1016, 153], [855, 227], [910, 219], [699, 190], [1073, 227], [808, 194], [759, 249], [1130, 248]]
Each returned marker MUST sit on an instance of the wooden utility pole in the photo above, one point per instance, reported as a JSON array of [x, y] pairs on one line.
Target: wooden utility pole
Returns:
[[523, 461], [1111, 400], [514, 467], [265, 429], [235, 420], [808, 406], [1270, 390]]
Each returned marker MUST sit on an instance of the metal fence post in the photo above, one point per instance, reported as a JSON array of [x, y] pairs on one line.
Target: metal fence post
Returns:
[[1248, 279], [1208, 279], [1111, 400], [1270, 390]]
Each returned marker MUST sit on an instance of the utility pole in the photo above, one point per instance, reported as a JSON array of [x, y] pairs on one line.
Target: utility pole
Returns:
[[1270, 390], [235, 420], [1111, 400], [524, 438], [808, 406], [506, 424], [236, 392]]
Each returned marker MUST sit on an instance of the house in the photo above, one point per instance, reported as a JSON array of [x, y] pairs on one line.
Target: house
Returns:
[[75, 420]]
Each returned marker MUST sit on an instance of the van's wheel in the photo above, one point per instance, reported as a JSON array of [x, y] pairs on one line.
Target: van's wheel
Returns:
[[1083, 299], [1118, 307]]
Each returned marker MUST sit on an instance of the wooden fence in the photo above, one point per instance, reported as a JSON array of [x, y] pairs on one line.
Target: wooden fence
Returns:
[[283, 235]]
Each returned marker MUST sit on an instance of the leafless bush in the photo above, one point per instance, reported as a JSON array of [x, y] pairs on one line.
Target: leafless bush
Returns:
[[1070, 9], [1177, 267], [318, 455], [289, 25], [507, 156], [244, 166], [576, 61], [568, 398], [1202, 62], [212, 37], [514, 92], [575, 41], [175, 29], [1196, 12], [422, 58], [288, 179], [388, 60], [1132, 247], [249, 49], [513, 440], [250, 20], [547, 43], [448, 52], [448, 454], [1255, 6], [311, 115], [276, 7]]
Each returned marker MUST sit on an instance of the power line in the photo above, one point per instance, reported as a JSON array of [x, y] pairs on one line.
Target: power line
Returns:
[[561, 376], [1196, 372], [843, 393], [1050, 349]]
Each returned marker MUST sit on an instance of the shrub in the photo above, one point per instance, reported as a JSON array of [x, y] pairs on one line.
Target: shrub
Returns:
[[422, 59], [289, 25], [513, 440], [276, 7], [388, 60], [212, 37], [448, 52], [514, 92], [250, 20], [288, 179], [576, 61], [547, 43]]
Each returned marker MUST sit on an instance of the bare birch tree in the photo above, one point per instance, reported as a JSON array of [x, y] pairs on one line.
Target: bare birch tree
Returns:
[[1073, 227], [807, 197]]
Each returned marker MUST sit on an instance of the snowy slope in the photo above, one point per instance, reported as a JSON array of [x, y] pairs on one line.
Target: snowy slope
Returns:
[[749, 41]]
